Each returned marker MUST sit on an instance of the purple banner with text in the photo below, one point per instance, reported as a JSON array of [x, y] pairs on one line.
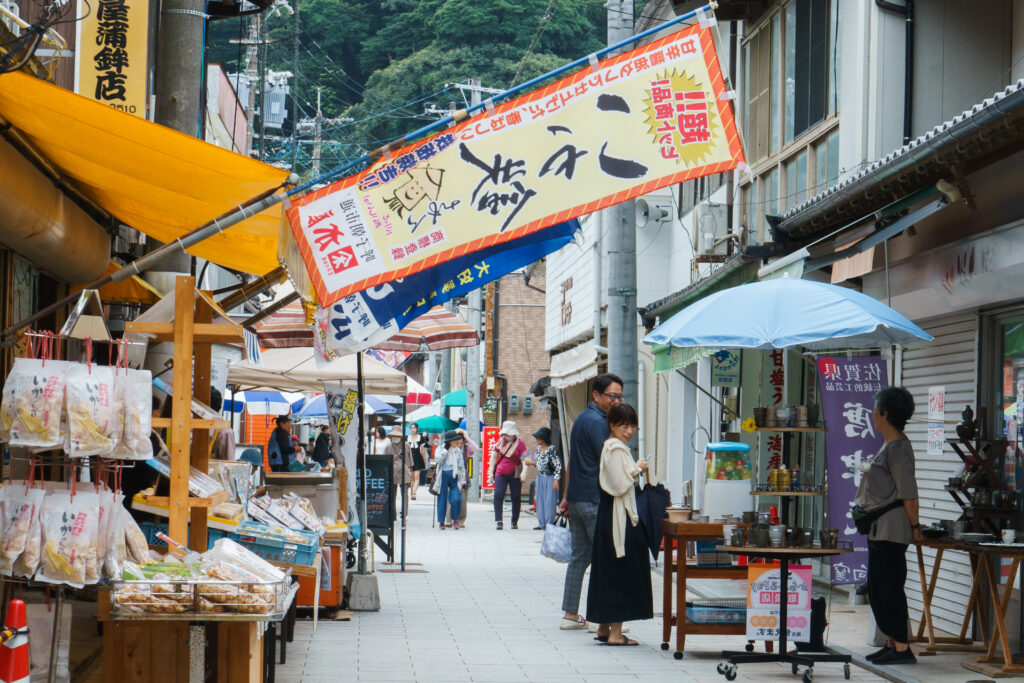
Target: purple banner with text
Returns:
[[848, 387]]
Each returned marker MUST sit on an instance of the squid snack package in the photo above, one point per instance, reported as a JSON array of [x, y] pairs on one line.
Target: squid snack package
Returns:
[[32, 410], [94, 423], [117, 547], [138, 546], [21, 508], [69, 539], [135, 389], [105, 511]]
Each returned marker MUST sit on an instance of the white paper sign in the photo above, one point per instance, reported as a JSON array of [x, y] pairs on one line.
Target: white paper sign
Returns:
[[936, 420]]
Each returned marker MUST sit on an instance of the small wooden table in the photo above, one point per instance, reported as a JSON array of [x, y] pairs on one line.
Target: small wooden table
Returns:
[[983, 580], [677, 535]]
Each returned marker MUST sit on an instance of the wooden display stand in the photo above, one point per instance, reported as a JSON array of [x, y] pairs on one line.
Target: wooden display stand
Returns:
[[158, 651]]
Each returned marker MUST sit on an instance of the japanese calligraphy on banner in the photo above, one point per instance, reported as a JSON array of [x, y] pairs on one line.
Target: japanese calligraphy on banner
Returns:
[[634, 123], [372, 316], [775, 378], [111, 53], [848, 387], [764, 599], [487, 443], [342, 400]]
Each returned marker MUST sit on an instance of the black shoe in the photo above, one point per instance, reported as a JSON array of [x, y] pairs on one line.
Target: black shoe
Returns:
[[515, 526], [877, 653], [894, 656], [538, 528], [500, 526]]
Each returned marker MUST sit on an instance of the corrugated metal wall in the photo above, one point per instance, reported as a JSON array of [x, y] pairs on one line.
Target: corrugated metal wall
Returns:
[[950, 361]]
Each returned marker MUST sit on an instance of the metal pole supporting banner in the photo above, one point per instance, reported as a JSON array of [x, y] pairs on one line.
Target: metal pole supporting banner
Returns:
[[401, 491], [473, 369], [361, 458]]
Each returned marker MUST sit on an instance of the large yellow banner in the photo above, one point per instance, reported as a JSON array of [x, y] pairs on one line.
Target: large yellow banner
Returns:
[[111, 53], [621, 128]]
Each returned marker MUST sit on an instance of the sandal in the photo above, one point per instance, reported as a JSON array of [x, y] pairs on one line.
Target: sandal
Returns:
[[625, 643]]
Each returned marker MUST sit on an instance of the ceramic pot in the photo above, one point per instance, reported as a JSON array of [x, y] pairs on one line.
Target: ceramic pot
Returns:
[[829, 538], [759, 536]]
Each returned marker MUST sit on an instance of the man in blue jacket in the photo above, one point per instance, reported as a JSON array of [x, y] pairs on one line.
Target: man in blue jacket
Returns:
[[583, 490]]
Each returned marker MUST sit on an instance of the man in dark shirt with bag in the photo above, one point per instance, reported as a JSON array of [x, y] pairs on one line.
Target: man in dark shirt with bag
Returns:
[[582, 491]]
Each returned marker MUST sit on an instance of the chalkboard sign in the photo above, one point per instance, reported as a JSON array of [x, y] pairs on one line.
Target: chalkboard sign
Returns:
[[378, 493]]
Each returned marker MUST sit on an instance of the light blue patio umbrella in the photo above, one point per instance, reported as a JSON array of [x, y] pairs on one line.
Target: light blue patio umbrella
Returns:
[[776, 314], [317, 407]]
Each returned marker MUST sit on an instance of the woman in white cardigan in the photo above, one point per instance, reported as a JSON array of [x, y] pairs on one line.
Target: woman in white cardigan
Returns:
[[620, 571]]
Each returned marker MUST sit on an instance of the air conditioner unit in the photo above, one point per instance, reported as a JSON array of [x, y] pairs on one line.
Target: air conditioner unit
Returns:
[[712, 236], [527, 405], [513, 403]]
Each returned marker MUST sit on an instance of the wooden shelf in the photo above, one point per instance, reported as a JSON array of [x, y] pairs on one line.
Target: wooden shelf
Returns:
[[790, 429], [786, 493], [798, 552], [197, 423], [193, 502], [212, 333]]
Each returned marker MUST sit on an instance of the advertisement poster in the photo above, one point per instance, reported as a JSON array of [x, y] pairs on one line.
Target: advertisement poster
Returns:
[[936, 420], [645, 119], [764, 597], [848, 387], [489, 438], [725, 368]]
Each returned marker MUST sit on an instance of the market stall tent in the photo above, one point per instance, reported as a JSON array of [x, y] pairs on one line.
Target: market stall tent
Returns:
[[295, 369]]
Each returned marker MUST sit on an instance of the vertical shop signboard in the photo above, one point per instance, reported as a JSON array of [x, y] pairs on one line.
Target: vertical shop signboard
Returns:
[[490, 437], [764, 599], [112, 54], [936, 420], [848, 387]]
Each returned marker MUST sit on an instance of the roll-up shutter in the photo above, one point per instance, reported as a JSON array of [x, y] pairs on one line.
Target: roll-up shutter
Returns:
[[950, 361]]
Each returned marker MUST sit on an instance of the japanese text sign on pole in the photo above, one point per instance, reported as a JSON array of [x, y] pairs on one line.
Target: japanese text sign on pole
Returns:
[[629, 125], [490, 438], [342, 400], [764, 599], [848, 387], [111, 53]]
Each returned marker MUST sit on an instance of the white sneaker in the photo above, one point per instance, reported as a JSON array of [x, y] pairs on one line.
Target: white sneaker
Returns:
[[570, 624]]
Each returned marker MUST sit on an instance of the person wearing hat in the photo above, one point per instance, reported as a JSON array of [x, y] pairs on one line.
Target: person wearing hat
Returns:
[[506, 464], [549, 477], [449, 477], [399, 461]]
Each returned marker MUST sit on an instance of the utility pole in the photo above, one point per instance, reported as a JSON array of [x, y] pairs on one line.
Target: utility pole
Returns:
[[262, 51], [316, 135], [295, 90], [620, 223], [473, 365], [251, 77], [179, 65]]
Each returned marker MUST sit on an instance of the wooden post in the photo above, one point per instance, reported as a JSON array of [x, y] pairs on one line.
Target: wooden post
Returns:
[[181, 408], [201, 437]]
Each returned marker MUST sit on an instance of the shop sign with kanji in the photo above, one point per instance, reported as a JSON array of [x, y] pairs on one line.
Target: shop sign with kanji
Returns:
[[111, 51]]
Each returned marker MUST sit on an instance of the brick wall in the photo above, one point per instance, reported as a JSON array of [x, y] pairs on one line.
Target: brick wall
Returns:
[[521, 356]]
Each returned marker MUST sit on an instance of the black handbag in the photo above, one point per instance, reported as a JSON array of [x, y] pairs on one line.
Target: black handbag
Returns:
[[865, 518]]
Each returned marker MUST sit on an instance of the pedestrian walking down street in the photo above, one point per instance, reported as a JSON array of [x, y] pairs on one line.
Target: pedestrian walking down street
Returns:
[[381, 443], [549, 475], [449, 477], [507, 459], [620, 571], [469, 448], [529, 477], [419, 460], [889, 480], [583, 491], [399, 460]]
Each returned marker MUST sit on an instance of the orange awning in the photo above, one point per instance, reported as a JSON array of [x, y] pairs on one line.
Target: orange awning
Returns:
[[134, 290], [154, 179]]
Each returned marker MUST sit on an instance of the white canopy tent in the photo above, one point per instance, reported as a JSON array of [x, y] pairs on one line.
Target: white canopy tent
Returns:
[[294, 369]]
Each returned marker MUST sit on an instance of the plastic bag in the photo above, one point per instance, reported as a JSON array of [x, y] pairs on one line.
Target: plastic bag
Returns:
[[94, 423], [69, 539], [106, 511], [28, 562], [117, 548], [226, 550], [135, 388], [21, 507], [138, 546], [32, 408], [557, 541]]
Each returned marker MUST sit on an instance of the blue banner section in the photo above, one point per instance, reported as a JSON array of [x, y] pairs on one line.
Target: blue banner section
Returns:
[[361, 320]]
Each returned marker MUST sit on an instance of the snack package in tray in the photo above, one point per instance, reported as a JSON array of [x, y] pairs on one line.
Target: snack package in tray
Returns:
[[134, 388], [69, 539], [32, 408], [95, 414], [21, 507]]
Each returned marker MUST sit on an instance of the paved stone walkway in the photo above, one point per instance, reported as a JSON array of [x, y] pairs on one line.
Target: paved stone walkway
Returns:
[[488, 609]]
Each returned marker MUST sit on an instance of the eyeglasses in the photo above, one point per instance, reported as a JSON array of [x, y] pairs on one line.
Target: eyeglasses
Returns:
[[614, 397]]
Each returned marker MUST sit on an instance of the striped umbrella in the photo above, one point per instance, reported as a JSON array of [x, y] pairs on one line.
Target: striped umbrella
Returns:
[[284, 327], [437, 329]]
